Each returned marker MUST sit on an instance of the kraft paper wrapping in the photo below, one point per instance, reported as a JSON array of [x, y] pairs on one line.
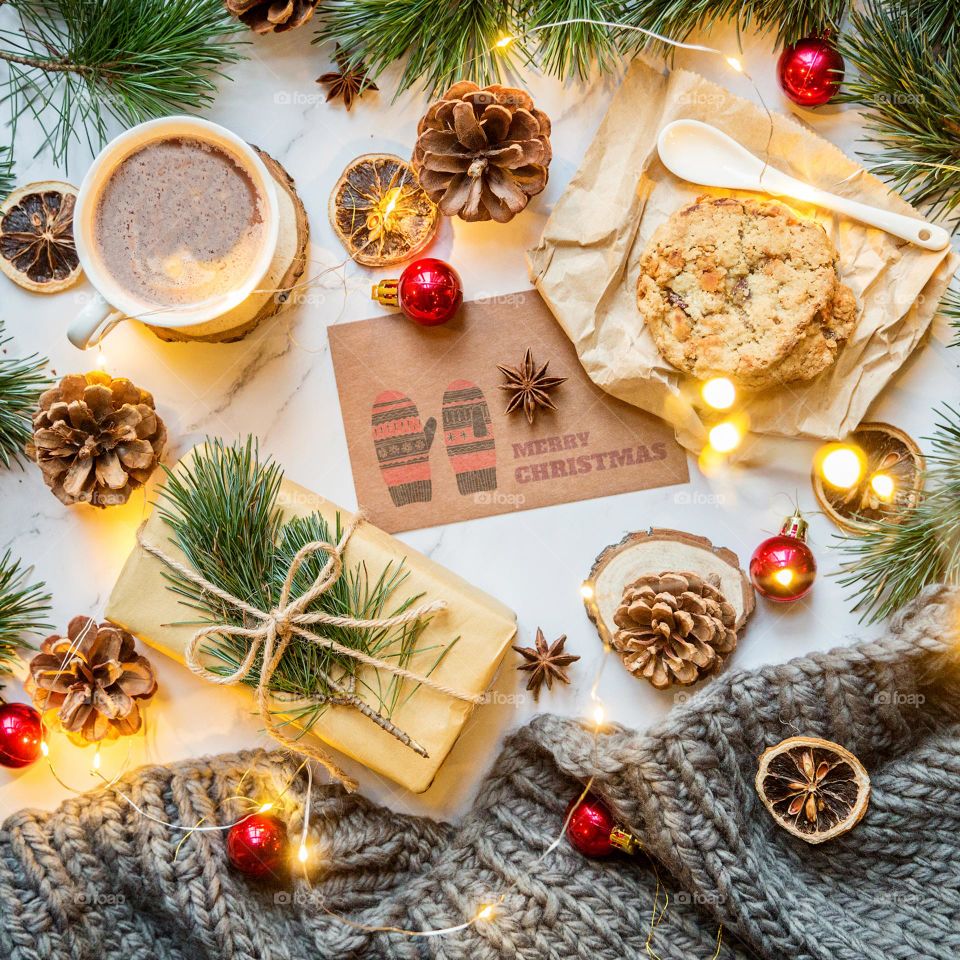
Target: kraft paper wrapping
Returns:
[[587, 262], [142, 604]]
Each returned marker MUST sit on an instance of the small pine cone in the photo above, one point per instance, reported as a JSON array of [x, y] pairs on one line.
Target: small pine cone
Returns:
[[93, 678], [675, 628], [96, 439], [272, 16], [482, 154]]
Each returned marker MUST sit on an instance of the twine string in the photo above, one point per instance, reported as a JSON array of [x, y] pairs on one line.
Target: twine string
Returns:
[[275, 629]]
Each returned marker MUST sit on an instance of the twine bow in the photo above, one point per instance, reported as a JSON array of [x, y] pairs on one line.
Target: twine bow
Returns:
[[275, 629]]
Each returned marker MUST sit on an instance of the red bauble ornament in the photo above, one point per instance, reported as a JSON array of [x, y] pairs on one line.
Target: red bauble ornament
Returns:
[[21, 733], [783, 568], [257, 846], [592, 831], [429, 292], [810, 71]]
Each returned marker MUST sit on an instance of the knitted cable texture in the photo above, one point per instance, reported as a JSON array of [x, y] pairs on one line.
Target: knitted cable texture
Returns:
[[96, 879]]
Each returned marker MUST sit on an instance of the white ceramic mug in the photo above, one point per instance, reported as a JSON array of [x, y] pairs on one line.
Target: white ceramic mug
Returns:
[[112, 304]]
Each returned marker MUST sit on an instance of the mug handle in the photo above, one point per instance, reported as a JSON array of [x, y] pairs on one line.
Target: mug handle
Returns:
[[93, 323]]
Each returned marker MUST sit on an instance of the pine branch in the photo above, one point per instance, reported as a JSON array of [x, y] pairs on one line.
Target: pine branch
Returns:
[[790, 19], [76, 64], [950, 308], [443, 40], [23, 607], [6, 171], [889, 565], [21, 383], [222, 512], [910, 85]]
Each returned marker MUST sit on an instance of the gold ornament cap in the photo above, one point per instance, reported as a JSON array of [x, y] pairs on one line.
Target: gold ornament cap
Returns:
[[795, 526], [385, 292], [624, 840]]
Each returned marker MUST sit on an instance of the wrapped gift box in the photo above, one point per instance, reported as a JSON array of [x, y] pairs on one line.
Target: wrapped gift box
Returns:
[[142, 604]]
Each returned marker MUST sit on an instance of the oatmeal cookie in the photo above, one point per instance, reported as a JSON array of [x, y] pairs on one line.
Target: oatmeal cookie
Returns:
[[731, 286]]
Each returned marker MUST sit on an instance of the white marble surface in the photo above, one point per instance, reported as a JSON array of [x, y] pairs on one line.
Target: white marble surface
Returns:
[[279, 385]]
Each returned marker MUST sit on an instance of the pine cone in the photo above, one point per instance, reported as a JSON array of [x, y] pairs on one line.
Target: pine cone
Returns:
[[675, 628], [272, 16], [93, 678], [96, 439], [482, 154]]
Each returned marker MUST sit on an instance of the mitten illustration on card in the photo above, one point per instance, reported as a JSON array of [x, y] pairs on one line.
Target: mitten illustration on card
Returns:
[[468, 435], [403, 446]]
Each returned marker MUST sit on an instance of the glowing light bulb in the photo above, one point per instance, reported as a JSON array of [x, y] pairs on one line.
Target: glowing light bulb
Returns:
[[504, 42], [735, 63], [719, 393], [599, 714], [883, 485], [586, 591], [485, 913], [266, 808], [44, 748], [96, 760], [392, 196], [784, 577], [725, 437], [303, 853], [842, 466]]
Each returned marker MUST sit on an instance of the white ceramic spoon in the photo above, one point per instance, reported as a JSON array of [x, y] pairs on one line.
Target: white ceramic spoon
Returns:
[[703, 154]]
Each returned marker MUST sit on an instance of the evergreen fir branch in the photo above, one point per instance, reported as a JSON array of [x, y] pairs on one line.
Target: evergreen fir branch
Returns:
[[76, 64], [572, 49], [21, 383], [23, 608], [443, 40], [890, 564], [791, 20], [950, 308], [6, 171], [222, 513], [910, 86]]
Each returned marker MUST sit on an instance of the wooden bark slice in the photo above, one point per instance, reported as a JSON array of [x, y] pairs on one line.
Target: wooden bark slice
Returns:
[[659, 551], [287, 270], [887, 450]]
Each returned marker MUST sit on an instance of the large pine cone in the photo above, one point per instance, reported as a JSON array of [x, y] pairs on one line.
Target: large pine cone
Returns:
[[272, 16], [93, 677], [482, 154], [675, 628], [96, 439]]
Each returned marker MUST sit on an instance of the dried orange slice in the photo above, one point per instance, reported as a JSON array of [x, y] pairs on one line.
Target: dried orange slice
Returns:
[[36, 237], [380, 212], [813, 788]]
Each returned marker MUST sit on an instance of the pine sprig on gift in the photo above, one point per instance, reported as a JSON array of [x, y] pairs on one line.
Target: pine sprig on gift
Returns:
[[76, 64], [23, 608], [908, 79], [443, 40], [222, 513], [21, 383], [889, 565]]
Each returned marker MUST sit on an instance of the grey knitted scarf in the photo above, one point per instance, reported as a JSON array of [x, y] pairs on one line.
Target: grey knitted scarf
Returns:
[[95, 879]]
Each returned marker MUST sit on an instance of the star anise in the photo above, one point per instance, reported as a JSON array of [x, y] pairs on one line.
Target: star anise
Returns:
[[529, 386], [545, 663], [348, 82]]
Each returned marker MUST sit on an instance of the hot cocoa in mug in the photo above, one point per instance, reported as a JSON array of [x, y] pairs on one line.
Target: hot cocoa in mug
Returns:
[[176, 224]]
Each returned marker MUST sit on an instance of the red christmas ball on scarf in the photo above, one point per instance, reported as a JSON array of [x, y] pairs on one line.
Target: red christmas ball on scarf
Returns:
[[257, 846], [21, 734], [592, 830], [783, 567], [429, 292], [810, 71]]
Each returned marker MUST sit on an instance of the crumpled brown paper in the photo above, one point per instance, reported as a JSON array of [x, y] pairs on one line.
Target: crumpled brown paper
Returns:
[[587, 262]]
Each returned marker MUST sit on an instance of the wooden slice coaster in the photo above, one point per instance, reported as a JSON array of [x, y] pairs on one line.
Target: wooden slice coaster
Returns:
[[287, 270], [659, 551], [889, 452]]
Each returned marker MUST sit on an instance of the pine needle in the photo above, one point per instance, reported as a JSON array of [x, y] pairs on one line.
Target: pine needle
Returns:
[[76, 64], [21, 383], [892, 563], [443, 40], [23, 607], [908, 78], [222, 513], [6, 171]]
